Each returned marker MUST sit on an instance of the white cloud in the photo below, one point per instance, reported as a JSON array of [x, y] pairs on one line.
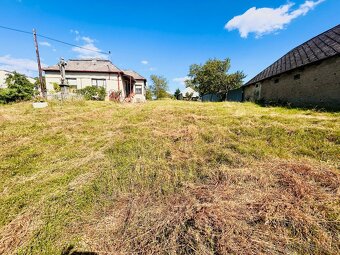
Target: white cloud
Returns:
[[181, 80], [73, 31], [88, 50], [47, 44], [152, 69], [145, 62], [76, 32], [268, 20], [87, 39], [28, 67]]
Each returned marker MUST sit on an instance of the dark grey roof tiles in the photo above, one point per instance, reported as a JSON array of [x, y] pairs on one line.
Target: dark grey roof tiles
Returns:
[[318, 48], [87, 65], [134, 74]]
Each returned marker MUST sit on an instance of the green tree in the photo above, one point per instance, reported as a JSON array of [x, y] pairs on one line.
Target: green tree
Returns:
[[159, 86], [213, 77], [18, 89], [177, 94], [189, 95], [148, 94]]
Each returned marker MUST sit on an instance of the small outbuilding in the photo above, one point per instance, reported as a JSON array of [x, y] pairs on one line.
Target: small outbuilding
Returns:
[[307, 76]]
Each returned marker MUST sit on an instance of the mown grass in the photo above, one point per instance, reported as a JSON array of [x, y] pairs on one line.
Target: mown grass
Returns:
[[168, 177]]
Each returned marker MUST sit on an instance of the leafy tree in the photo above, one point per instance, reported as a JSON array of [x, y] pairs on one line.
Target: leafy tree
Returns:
[[148, 94], [93, 93], [189, 95], [159, 86], [18, 89], [169, 95], [177, 94], [213, 77]]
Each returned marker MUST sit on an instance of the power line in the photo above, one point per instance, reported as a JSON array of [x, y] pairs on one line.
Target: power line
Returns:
[[70, 44], [55, 40], [16, 30]]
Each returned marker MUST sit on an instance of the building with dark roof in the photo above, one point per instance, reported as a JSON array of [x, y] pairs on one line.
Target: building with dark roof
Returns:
[[307, 76], [81, 73]]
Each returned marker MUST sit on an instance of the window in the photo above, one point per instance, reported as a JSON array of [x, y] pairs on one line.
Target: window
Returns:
[[71, 81], [297, 77], [276, 80], [139, 89], [99, 83]]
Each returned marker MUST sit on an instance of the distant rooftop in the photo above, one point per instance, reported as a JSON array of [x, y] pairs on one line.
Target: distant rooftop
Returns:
[[323, 46], [190, 91]]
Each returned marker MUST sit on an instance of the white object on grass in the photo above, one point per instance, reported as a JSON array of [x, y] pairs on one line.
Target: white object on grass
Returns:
[[40, 105]]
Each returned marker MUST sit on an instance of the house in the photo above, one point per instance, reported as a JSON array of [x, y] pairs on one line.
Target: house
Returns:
[[190, 94], [4, 74], [139, 88], [81, 73], [307, 76]]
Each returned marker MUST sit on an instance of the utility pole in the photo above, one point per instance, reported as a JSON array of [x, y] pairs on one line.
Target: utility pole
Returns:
[[42, 85]]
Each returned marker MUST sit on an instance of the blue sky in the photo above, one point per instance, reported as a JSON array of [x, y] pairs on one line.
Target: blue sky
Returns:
[[163, 37]]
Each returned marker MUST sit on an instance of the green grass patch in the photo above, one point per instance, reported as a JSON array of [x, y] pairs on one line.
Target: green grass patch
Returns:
[[65, 162]]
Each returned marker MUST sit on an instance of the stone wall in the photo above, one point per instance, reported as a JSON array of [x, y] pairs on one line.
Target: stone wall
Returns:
[[316, 85]]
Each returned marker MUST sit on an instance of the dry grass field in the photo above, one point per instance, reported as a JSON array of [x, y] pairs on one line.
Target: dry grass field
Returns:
[[168, 177]]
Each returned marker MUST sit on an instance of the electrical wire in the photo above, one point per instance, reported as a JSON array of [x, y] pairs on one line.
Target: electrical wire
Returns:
[[55, 40]]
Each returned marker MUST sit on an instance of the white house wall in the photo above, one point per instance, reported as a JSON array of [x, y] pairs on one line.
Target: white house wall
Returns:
[[139, 97], [84, 80], [3, 76]]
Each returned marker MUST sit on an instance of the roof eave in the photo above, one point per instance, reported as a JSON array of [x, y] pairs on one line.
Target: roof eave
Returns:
[[81, 71], [290, 70]]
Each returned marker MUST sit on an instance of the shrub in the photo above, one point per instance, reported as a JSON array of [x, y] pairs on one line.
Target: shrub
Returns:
[[93, 93], [56, 87], [7, 95], [18, 89]]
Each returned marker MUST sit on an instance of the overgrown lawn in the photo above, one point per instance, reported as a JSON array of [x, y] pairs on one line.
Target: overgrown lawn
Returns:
[[168, 177]]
